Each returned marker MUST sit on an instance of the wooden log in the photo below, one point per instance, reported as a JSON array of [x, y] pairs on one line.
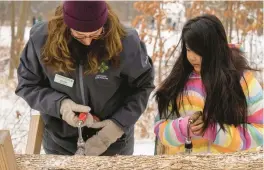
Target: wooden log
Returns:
[[35, 135], [238, 161], [7, 155]]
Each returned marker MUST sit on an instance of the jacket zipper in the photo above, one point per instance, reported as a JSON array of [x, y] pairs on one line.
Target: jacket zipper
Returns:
[[81, 82]]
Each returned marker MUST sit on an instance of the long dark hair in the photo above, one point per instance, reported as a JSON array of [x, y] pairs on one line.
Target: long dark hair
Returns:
[[221, 70]]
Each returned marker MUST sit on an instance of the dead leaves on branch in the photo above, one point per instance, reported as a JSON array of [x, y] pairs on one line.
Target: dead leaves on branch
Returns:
[[152, 10], [147, 7], [247, 15]]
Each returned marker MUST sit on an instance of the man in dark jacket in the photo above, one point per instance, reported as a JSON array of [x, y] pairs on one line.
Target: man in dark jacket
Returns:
[[56, 77]]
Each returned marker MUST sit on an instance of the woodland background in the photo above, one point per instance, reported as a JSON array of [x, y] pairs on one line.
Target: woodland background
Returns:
[[159, 24]]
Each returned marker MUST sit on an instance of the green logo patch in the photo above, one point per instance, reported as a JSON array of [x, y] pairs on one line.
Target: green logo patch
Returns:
[[103, 67]]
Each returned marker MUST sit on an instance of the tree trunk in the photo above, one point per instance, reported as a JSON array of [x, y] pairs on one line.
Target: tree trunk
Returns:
[[24, 11], [159, 149], [230, 29], [237, 28], [4, 11], [160, 46], [17, 42], [230, 22], [238, 38], [226, 20], [251, 49], [12, 52]]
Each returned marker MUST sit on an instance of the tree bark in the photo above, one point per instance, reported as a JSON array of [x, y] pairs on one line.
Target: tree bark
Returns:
[[238, 161], [251, 49], [230, 22], [226, 20], [24, 11], [12, 52], [17, 41], [4, 11], [237, 28]]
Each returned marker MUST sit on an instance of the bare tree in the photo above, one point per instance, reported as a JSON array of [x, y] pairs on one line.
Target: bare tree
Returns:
[[234, 15], [17, 42], [24, 12], [12, 52], [3, 13], [154, 31]]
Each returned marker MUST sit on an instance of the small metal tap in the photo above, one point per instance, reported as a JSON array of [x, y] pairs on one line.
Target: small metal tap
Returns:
[[188, 142], [80, 142]]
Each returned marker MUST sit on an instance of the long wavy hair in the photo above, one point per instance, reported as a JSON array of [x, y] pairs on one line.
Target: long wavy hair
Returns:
[[56, 54], [221, 70]]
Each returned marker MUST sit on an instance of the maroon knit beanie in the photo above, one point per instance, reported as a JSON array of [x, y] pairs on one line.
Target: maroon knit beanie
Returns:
[[85, 16]]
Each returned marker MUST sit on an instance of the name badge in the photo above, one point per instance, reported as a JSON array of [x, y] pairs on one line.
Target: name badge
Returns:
[[63, 80], [101, 77]]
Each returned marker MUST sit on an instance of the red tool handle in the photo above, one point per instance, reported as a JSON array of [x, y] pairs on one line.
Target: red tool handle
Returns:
[[83, 116]]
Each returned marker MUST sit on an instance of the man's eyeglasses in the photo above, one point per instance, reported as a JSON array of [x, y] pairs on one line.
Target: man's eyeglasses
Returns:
[[95, 37]]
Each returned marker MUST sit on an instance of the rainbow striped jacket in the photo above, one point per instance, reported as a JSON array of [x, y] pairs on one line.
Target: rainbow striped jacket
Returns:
[[172, 133]]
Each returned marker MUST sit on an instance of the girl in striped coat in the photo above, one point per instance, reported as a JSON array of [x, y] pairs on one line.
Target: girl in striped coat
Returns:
[[212, 77]]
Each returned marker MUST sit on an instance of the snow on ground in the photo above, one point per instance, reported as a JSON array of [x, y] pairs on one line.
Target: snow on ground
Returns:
[[144, 147], [14, 116], [5, 34], [15, 113]]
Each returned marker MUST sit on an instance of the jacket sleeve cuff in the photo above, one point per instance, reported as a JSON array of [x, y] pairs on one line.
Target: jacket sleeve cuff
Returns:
[[58, 105]]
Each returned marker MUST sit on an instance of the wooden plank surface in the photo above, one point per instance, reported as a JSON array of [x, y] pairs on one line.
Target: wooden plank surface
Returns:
[[7, 156], [35, 135], [238, 161]]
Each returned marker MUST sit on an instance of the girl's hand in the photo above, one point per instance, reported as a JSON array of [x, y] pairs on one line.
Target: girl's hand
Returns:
[[197, 124]]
